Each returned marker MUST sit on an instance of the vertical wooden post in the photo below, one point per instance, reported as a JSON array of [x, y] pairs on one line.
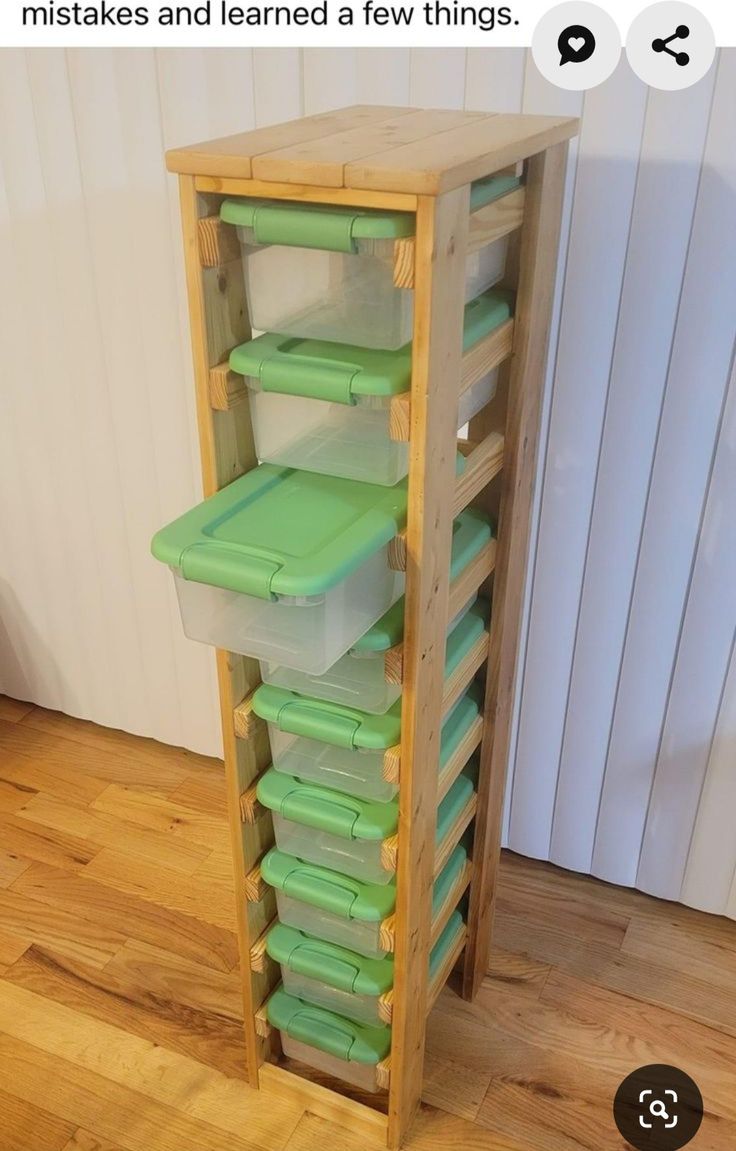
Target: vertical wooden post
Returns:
[[441, 237], [219, 320], [537, 265]]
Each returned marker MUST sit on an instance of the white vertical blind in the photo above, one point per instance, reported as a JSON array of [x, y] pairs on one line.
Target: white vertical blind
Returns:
[[626, 724]]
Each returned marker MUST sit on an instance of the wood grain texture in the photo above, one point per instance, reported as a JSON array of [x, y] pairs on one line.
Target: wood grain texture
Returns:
[[537, 265], [139, 1045], [437, 350]]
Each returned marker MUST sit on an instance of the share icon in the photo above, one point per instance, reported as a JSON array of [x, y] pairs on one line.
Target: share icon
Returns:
[[681, 33]]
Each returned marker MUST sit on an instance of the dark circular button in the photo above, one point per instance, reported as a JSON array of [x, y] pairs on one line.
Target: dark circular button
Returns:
[[658, 1108]]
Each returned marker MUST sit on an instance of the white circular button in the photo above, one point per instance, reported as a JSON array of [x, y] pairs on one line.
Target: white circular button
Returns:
[[671, 45], [576, 45]]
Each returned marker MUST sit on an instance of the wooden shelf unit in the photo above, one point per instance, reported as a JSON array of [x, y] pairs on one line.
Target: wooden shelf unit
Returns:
[[422, 162]]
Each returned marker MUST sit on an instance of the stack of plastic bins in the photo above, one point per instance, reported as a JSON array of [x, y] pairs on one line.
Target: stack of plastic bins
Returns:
[[326, 272], [359, 678], [330, 1040], [342, 910], [326, 406], [339, 831], [345, 748], [338, 979], [290, 567]]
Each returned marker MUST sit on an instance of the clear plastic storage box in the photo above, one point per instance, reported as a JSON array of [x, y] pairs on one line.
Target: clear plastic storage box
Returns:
[[326, 407], [341, 980], [359, 678], [345, 748], [326, 272], [286, 566], [339, 831], [342, 910]]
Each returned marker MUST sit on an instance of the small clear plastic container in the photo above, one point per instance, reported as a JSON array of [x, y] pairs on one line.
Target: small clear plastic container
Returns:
[[327, 272], [359, 678], [327, 407], [358, 857], [343, 910], [344, 748], [285, 566]]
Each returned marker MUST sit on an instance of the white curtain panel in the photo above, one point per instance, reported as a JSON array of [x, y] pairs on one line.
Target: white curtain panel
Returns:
[[625, 735]]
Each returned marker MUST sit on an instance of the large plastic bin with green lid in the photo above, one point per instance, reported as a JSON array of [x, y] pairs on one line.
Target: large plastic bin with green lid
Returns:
[[326, 407], [340, 831], [338, 979], [344, 747], [343, 910], [359, 678], [286, 566], [334, 1041], [326, 272]]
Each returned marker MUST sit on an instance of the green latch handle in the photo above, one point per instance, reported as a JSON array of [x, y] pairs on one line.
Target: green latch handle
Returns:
[[314, 1028], [306, 803], [293, 374], [310, 959], [225, 567], [315, 722]]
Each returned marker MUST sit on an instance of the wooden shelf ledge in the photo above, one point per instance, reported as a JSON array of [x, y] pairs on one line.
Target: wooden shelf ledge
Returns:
[[227, 389], [455, 834], [455, 764], [386, 1001], [465, 672], [251, 808], [259, 959], [483, 463], [487, 224], [476, 363], [245, 721], [218, 242], [254, 885], [440, 921]]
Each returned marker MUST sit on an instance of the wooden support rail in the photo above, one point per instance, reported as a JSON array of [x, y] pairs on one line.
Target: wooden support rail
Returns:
[[388, 927], [386, 1001], [457, 761], [455, 834], [484, 462]]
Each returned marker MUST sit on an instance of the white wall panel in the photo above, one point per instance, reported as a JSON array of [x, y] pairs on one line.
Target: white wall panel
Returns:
[[626, 721]]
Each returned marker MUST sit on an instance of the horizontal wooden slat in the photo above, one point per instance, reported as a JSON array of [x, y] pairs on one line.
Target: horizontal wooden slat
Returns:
[[393, 665], [390, 853], [476, 363], [251, 808], [397, 552], [445, 971], [495, 220], [259, 959], [404, 253], [455, 764], [227, 388], [218, 242], [486, 355], [254, 885], [453, 837], [307, 193], [392, 764], [245, 720], [471, 578], [483, 463], [465, 672], [360, 1119], [439, 923], [383, 1074]]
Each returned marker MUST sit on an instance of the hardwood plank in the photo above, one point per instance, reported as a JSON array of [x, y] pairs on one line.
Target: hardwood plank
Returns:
[[14, 795], [194, 896], [87, 1141], [27, 1127], [517, 972], [61, 928], [674, 948], [322, 161], [29, 839], [437, 350], [433, 1131], [537, 263], [100, 830], [306, 193], [13, 710], [231, 156], [11, 866], [144, 1001], [451, 159], [104, 909], [143, 763], [11, 947], [203, 794], [158, 1075], [163, 815], [33, 763], [167, 975], [117, 1113]]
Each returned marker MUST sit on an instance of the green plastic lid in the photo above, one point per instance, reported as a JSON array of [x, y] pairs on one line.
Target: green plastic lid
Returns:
[[445, 941], [471, 531], [346, 815], [348, 726], [337, 966], [343, 1038], [336, 228], [339, 372], [278, 531], [448, 877], [325, 809], [367, 902], [348, 970]]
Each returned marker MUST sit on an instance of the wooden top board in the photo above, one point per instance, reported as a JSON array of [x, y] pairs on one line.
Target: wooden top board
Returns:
[[370, 147]]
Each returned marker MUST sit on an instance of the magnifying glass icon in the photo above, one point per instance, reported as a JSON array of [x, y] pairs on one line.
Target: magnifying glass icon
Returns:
[[657, 1107]]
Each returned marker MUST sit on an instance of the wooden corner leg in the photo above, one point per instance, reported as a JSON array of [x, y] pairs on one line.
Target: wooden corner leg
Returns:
[[441, 238], [537, 265]]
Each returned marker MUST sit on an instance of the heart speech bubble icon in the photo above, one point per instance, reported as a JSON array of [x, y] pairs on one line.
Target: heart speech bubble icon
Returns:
[[576, 44]]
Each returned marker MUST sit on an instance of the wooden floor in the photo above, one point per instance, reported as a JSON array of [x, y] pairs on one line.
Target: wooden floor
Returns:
[[119, 1001]]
